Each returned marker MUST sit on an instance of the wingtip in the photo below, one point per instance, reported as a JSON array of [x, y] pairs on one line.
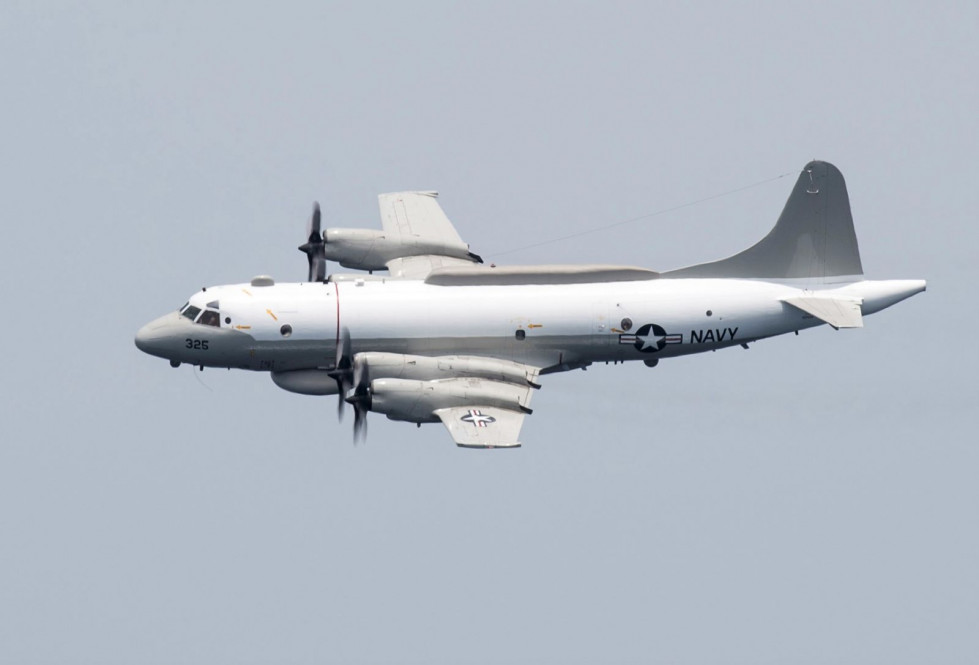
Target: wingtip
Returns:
[[505, 446]]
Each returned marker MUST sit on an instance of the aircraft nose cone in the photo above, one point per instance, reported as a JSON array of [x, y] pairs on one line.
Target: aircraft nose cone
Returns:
[[151, 337], [143, 337]]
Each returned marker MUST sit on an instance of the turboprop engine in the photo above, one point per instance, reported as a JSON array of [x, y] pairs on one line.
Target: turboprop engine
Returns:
[[417, 401], [367, 249], [379, 365], [414, 388]]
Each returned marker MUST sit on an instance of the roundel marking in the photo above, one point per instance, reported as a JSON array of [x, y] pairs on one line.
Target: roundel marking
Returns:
[[650, 338], [478, 418]]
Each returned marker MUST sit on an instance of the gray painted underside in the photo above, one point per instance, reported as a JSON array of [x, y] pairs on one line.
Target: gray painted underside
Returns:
[[552, 351]]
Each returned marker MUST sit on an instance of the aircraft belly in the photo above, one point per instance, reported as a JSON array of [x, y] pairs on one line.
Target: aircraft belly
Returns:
[[282, 356]]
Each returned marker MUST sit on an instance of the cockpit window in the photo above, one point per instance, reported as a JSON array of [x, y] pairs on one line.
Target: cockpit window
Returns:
[[191, 312], [183, 307], [214, 304], [210, 318]]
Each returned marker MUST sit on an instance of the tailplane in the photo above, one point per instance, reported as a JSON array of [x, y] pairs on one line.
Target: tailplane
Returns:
[[812, 240]]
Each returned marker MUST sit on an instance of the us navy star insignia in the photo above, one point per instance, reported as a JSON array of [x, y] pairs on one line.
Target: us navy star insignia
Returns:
[[651, 338]]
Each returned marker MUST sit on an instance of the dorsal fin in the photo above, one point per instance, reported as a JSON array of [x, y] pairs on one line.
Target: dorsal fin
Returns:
[[813, 238]]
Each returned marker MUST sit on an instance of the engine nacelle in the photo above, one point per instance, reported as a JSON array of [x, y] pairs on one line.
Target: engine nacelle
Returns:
[[367, 249], [379, 365], [416, 401], [306, 382]]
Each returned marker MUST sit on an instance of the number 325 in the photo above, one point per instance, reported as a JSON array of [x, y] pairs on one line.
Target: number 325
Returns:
[[196, 344]]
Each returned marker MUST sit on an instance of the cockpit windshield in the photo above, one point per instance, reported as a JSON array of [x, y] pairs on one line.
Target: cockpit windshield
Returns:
[[210, 318], [207, 317]]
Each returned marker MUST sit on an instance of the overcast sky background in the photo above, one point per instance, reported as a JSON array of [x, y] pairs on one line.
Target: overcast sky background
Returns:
[[811, 500]]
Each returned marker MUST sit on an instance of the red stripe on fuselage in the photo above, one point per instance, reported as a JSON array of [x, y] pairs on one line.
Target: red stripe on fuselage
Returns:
[[336, 289]]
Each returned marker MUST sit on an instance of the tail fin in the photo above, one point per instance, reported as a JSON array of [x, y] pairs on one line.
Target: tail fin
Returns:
[[813, 238]]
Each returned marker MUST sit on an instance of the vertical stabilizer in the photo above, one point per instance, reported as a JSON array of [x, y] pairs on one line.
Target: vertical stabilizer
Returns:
[[813, 238]]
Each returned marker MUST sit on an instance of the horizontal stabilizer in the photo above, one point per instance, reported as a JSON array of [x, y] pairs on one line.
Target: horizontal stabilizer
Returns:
[[837, 311]]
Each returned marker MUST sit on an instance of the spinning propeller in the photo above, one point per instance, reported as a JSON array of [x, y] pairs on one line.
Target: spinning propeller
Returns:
[[360, 398], [342, 371], [353, 385], [315, 247]]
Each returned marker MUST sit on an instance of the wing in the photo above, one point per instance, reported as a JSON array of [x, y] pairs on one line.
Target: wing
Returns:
[[419, 267], [430, 240], [482, 401], [417, 214], [482, 426]]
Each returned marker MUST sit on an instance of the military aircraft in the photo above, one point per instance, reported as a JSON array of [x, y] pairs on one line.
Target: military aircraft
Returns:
[[443, 338]]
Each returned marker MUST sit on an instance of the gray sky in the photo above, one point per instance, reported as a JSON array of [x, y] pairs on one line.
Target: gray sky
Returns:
[[811, 500]]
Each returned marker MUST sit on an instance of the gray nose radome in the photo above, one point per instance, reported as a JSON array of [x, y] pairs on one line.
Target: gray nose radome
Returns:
[[144, 337], [155, 336]]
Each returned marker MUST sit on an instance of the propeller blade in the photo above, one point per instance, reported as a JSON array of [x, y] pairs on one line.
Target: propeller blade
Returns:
[[360, 397], [341, 390], [313, 226], [314, 247], [360, 374], [343, 350], [317, 268], [343, 372], [360, 424], [361, 401]]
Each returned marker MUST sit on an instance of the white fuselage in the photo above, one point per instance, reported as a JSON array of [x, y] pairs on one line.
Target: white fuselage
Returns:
[[285, 327], [445, 339]]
